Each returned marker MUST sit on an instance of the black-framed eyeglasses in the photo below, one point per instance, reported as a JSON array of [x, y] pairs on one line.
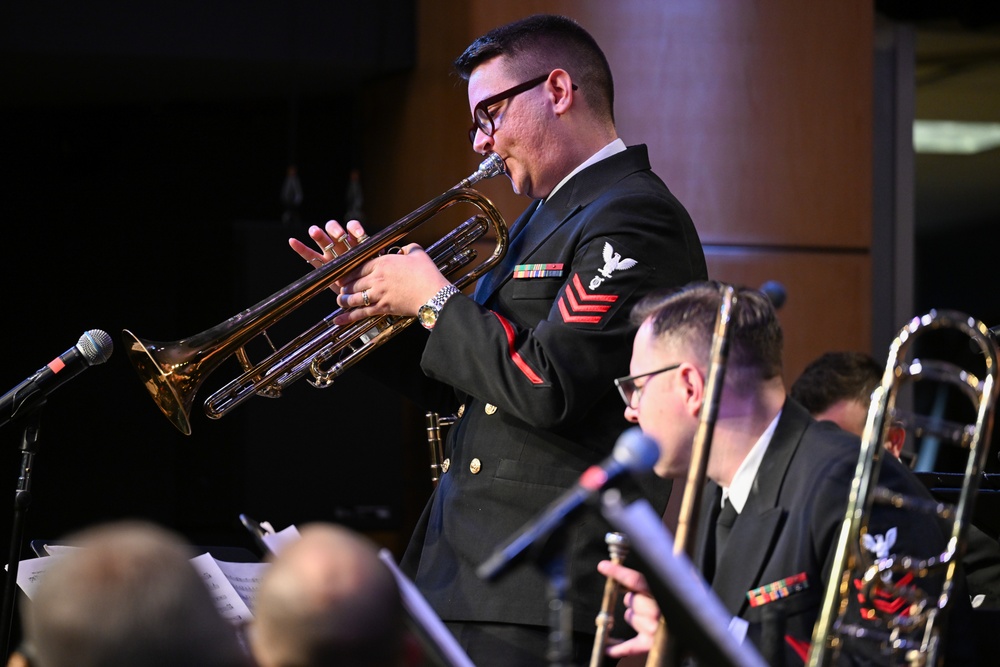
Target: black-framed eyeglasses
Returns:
[[482, 116], [630, 392]]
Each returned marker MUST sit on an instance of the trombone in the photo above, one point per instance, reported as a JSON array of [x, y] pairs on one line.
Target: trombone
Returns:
[[667, 649], [173, 372], [913, 634]]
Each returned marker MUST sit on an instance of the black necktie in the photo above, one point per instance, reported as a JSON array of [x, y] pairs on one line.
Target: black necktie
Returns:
[[727, 517], [720, 523]]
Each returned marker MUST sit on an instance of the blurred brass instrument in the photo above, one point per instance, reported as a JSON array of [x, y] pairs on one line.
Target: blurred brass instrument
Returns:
[[434, 423], [173, 372], [666, 650], [913, 633], [618, 546]]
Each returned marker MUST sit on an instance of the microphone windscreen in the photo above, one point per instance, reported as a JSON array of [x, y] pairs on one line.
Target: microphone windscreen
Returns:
[[96, 346], [635, 451], [774, 291]]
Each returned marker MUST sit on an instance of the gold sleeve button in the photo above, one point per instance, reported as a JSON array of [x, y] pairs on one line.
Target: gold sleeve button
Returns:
[[475, 466]]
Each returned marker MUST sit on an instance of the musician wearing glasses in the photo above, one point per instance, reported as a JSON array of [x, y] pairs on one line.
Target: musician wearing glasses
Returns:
[[529, 359], [778, 481]]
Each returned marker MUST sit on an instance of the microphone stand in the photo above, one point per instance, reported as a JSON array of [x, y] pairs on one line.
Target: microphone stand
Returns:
[[560, 647], [22, 498]]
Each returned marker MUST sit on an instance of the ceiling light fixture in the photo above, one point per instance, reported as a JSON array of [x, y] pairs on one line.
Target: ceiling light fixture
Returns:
[[954, 137]]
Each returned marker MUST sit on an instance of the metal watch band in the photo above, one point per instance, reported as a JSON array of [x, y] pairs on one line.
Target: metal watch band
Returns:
[[428, 312], [438, 300]]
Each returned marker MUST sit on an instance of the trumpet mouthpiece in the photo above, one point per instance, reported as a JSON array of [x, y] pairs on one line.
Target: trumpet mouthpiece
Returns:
[[492, 166]]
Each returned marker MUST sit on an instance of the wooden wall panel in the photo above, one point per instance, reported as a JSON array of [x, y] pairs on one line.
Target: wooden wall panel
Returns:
[[758, 115], [829, 297]]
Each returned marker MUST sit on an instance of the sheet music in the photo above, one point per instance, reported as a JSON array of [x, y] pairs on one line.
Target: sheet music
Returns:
[[278, 541], [245, 578], [227, 600], [30, 573]]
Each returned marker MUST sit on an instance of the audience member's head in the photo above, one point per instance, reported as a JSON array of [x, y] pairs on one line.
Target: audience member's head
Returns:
[[328, 600], [838, 387], [128, 596]]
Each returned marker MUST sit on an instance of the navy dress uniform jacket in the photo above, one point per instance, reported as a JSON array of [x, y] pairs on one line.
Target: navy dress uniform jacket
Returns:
[[534, 366], [790, 525]]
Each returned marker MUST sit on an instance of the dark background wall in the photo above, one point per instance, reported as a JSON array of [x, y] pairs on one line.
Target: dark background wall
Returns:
[[144, 152]]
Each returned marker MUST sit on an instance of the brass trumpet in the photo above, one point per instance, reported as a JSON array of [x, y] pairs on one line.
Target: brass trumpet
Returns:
[[173, 372]]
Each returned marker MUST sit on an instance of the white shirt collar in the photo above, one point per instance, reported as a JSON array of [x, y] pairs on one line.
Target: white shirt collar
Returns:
[[739, 489], [616, 146]]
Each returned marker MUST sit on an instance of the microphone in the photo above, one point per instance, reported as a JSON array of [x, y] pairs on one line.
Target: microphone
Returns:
[[633, 452], [94, 347], [775, 292]]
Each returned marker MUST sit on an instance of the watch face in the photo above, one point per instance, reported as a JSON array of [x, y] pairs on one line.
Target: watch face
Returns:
[[427, 315]]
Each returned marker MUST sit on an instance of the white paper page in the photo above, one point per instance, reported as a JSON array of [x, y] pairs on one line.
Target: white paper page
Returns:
[[245, 578], [227, 600], [278, 541], [30, 573]]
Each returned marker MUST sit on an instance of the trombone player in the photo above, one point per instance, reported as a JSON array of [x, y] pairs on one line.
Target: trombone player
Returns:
[[778, 481], [529, 359]]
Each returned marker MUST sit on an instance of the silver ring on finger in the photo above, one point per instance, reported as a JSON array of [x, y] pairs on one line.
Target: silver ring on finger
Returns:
[[364, 295]]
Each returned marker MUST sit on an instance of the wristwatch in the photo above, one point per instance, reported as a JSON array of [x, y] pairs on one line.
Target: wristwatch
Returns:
[[428, 313]]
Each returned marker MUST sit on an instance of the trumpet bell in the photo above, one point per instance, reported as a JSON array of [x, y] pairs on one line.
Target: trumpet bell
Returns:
[[167, 377]]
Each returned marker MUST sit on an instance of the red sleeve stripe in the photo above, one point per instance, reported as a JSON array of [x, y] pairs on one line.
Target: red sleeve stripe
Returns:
[[800, 646], [514, 356], [610, 298], [576, 319]]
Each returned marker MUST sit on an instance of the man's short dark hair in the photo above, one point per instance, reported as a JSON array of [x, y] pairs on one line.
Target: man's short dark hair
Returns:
[[539, 44], [689, 314], [837, 376]]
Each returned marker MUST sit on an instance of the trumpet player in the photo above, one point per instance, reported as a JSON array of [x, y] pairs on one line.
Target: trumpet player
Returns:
[[778, 481], [528, 359]]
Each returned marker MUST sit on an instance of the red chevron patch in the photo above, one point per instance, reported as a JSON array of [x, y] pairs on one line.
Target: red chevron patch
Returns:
[[576, 319], [576, 306], [883, 600], [576, 296], [585, 296]]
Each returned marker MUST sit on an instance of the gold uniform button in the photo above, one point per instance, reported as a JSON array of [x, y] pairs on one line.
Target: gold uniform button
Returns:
[[445, 465], [475, 466], [461, 410], [490, 408]]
